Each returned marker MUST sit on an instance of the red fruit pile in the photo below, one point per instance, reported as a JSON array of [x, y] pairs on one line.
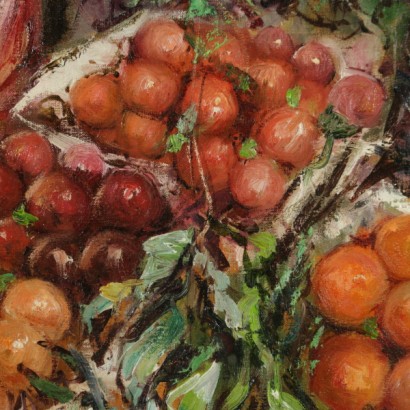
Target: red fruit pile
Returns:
[[239, 82]]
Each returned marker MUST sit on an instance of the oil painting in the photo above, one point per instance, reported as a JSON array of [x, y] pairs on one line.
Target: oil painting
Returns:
[[204, 205]]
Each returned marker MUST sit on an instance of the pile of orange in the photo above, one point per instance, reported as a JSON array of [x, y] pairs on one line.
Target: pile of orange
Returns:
[[352, 284]]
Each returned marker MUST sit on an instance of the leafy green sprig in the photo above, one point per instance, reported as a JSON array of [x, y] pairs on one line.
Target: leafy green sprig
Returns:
[[21, 217], [185, 127], [334, 126]]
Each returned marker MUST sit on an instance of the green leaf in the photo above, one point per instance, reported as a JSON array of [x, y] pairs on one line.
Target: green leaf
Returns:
[[335, 125], [192, 402], [115, 291], [312, 365], [293, 96], [394, 14], [163, 254], [241, 80], [368, 6], [52, 390], [22, 217], [69, 359], [203, 48], [176, 141], [248, 149], [277, 398], [142, 357], [316, 338], [241, 389], [204, 355], [370, 327], [93, 309], [225, 306], [197, 391], [395, 20], [249, 306], [5, 280], [198, 45], [244, 82], [199, 8], [284, 273], [186, 122], [265, 241], [185, 126], [283, 401]]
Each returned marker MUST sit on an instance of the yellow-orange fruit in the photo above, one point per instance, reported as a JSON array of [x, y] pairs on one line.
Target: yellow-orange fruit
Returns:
[[40, 304], [149, 87], [350, 373], [393, 246], [398, 386], [396, 314], [143, 137], [4, 400], [348, 284], [18, 345], [96, 101]]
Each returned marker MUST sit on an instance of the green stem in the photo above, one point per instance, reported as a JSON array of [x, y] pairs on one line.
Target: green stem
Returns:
[[325, 155], [277, 382]]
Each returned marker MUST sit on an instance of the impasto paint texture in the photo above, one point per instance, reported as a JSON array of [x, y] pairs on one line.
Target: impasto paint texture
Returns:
[[204, 205]]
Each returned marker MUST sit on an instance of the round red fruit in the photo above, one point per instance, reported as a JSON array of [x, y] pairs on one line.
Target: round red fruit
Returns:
[[148, 86], [60, 204], [258, 183], [359, 98], [217, 157], [313, 97], [164, 40], [13, 244], [215, 101], [11, 190], [54, 257], [85, 163], [274, 43], [111, 256], [29, 153], [314, 62], [273, 78], [227, 46], [288, 136], [129, 200]]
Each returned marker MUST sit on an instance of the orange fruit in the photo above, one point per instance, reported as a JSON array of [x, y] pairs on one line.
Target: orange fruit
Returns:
[[348, 284], [393, 246], [39, 304], [350, 373]]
